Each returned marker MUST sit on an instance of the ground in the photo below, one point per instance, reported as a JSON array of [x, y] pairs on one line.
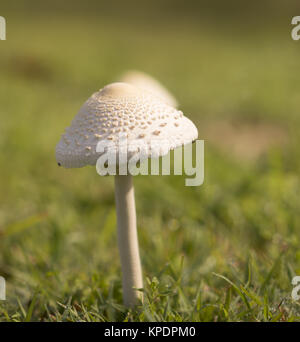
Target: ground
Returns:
[[224, 251]]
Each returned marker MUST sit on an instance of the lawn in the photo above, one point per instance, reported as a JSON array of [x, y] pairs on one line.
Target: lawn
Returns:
[[224, 251]]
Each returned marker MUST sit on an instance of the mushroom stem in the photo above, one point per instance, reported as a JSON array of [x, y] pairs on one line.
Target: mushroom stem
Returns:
[[128, 240]]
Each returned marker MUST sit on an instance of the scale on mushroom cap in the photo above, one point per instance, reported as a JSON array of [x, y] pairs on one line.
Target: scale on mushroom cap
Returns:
[[121, 109]]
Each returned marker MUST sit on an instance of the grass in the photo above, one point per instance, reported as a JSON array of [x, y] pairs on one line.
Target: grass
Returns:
[[225, 251]]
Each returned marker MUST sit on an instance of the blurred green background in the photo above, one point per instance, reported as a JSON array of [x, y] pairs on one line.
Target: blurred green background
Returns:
[[225, 251]]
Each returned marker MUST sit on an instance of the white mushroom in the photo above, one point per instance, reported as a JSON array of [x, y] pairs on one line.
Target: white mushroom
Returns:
[[146, 82], [114, 103]]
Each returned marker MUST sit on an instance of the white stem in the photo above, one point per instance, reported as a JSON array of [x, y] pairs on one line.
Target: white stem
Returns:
[[128, 240]]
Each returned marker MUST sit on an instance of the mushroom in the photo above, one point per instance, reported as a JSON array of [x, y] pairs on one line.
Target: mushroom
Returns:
[[141, 116], [146, 82]]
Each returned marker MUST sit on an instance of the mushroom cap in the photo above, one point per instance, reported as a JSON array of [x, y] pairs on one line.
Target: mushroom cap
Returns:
[[121, 110], [146, 82]]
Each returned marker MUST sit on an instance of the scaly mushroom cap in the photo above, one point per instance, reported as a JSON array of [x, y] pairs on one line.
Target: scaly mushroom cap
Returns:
[[120, 109], [146, 82]]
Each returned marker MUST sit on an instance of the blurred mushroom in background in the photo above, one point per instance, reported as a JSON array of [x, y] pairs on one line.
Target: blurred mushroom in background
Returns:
[[146, 82]]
